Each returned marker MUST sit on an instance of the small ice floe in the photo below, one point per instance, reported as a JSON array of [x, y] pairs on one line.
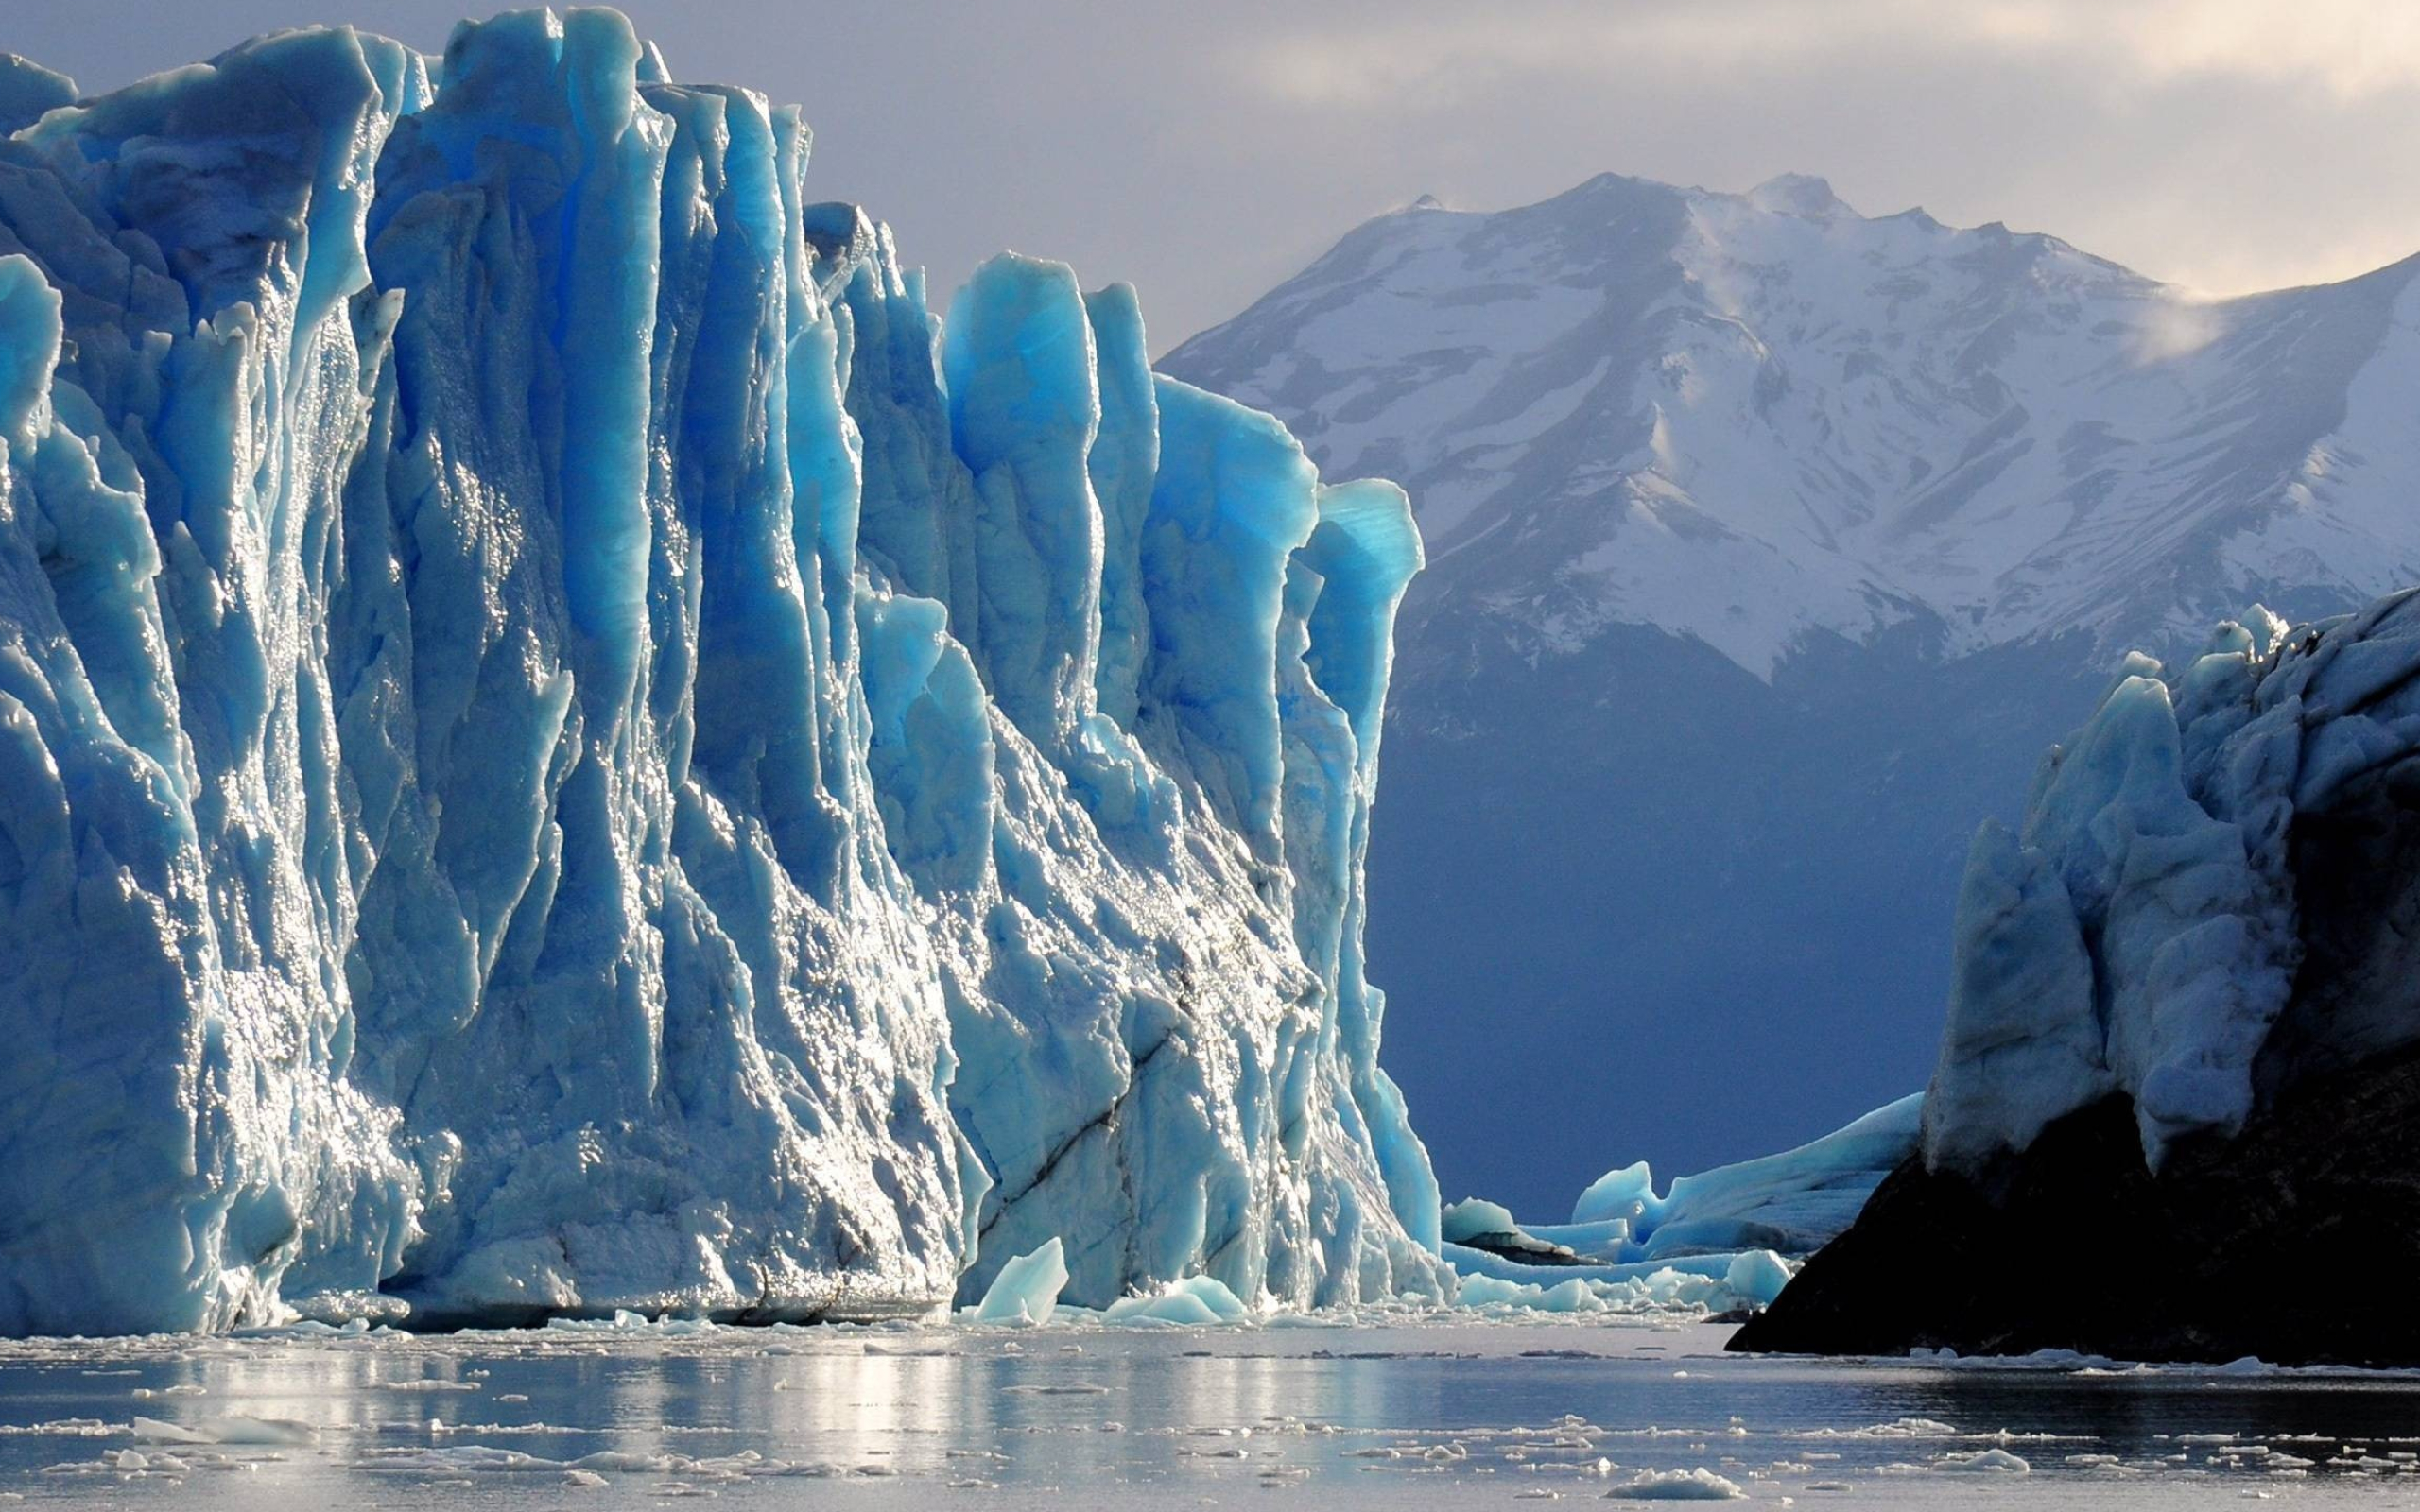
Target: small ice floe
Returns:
[[59, 1428], [1026, 1290], [1897, 1428], [236, 1430], [1699, 1485], [1196, 1301], [1984, 1462]]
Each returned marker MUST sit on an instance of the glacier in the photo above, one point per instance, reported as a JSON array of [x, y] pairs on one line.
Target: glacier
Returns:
[[568, 744], [2182, 1020], [1723, 1239], [2145, 932]]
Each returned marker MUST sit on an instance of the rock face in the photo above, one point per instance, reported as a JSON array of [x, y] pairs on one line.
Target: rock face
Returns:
[[2250, 1246], [566, 744], [2186, 1023]]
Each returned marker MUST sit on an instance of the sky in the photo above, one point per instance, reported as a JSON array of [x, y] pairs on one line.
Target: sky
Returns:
[[1206, 151]]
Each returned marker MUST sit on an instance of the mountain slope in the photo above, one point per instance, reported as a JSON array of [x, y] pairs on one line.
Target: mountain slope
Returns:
[[1768, 543]]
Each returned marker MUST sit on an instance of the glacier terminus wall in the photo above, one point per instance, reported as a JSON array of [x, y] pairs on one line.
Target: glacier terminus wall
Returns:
[[566, 744]]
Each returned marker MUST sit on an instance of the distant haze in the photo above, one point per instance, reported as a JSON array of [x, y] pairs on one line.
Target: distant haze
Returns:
[[1204, 152]]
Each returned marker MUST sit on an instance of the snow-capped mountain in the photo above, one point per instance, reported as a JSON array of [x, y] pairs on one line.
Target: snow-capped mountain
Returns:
[[1770, 544], [1747, 417], [566, 744]]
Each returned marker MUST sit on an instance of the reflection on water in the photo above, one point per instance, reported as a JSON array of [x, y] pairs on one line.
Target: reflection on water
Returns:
[[1396, 1416]]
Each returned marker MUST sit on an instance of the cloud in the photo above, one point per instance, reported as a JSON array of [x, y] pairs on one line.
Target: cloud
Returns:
[[2351, 48], [1207, 152]]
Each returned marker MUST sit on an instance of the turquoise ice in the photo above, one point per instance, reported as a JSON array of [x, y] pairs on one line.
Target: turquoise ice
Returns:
[[566, 744]]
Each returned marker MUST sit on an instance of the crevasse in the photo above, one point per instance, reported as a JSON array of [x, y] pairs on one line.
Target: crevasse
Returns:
[[565, 744]]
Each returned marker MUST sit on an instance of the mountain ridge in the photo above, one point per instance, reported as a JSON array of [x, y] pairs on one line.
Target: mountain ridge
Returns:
[[1770, 545], [1859, 416]]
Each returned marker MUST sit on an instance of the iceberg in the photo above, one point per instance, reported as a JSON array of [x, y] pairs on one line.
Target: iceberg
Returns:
[[1794, 1201], [2183, 1021], [2143, 934], [1197, 1301], [1026, 1290], [1726, 1240], [566, 744]]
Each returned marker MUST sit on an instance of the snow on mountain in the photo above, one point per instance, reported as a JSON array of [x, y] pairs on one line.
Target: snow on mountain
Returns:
[[564, 744], [1746, 418], [1768, 543]]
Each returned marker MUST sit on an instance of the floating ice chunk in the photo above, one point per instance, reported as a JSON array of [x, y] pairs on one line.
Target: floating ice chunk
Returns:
[[1195, 1300], [1757, 1277], [230, 1430], [1700, 1485], [1026, 1290], [1796, 1201], [1984, 1462], [1627, 1193], [1471, 1217]]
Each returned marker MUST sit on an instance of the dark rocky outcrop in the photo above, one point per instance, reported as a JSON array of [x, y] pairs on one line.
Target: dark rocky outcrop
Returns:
[[1525, 1248], [2294, 1242]]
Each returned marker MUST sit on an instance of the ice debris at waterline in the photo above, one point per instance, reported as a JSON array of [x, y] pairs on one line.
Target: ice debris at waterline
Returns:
[[1722, 1239], [566, 746], [1026, 1290], [1794, 1201]]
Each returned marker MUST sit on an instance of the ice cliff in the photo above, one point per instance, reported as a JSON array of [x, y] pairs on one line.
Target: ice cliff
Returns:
[[566, 744], [2146, 932], [2186, 1022]]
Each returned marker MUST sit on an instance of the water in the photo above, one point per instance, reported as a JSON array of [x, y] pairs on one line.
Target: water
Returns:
[[1399, 1413]]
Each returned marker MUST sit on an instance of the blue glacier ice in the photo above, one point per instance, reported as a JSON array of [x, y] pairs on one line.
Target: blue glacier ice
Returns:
[[2143, 932], [1794, 1201], [1720, 1239], [567, 744], [1025, 1289]]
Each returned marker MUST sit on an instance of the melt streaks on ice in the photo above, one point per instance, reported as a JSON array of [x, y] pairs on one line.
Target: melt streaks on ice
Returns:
[[565, 744]]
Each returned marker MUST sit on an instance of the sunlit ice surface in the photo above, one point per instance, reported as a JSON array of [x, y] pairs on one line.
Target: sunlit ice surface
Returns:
[[1390, 1411]]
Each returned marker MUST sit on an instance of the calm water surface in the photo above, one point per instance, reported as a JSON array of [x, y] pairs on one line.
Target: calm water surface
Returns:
[[1401, 1414]]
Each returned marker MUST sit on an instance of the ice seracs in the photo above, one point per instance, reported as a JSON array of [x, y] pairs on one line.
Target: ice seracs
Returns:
[[566, 746], [2140, 935], [2183, 1021]]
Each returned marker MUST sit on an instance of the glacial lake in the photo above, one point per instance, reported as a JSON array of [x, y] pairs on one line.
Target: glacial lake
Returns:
[[1397, 1412]]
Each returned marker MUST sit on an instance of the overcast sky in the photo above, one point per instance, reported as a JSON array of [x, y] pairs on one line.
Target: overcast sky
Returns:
[[1206, 150]]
